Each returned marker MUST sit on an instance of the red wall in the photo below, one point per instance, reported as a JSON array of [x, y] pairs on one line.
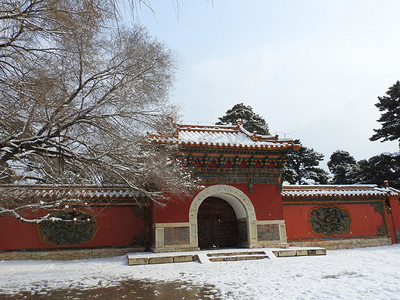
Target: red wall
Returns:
[[174, 210], [364, 220], [116, 226], [266, 200], [395, 218]]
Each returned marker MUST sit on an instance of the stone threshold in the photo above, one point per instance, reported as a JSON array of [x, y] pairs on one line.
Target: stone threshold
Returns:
[[207, 256]]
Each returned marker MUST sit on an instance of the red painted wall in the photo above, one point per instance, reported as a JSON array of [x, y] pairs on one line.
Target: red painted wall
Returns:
[[116, 226], [364, 220], [266, 200], [395, 215], [174, 210]]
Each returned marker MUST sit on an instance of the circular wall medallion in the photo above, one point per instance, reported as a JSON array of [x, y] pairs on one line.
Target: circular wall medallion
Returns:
[[68, 228], [329, 220]]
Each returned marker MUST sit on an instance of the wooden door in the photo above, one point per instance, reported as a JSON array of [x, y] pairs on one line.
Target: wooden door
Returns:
[[217, 224]]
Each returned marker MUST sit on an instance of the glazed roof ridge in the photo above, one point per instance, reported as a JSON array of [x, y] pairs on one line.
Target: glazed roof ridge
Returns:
[[85, 191], [222, 136], [63, 185], [330, 186], [336, 190], [390, 190]]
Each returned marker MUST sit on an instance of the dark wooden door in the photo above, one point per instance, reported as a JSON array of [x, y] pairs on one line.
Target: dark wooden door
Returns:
[[217, 224]]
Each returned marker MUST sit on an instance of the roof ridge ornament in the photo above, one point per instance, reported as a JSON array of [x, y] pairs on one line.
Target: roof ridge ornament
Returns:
[[386, 183], [223, 136], [254, 137]]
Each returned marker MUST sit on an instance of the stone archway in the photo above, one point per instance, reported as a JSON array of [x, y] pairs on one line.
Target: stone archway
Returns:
[[240, 203], [217, 224]]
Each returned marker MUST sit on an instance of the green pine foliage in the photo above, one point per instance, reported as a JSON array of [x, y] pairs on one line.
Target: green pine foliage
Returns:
[[343, 167], [389, 105], [302, 167], [251, 121], [377, 169]]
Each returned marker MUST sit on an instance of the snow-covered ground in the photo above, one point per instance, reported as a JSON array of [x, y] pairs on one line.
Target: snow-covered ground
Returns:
[[368, 273]]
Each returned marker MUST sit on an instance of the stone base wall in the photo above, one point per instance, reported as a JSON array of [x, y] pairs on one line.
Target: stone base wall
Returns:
[[271, 234], [67, 254], [343, 244]]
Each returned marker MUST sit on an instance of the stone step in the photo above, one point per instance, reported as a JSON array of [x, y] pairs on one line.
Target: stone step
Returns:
[[237, 258], [224, 255], [299, 252], [235, 253], [159, 259]]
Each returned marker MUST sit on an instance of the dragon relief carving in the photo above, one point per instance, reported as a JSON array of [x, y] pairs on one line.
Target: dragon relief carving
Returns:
[[329, 221], [69, 228]]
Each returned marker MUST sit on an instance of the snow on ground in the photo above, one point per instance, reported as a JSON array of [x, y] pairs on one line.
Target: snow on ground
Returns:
[[368, 273]]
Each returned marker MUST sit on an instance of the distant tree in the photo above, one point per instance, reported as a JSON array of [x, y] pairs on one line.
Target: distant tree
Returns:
[[390, 107], [344, 168], [302, 167], [377, 169], [251, 121]]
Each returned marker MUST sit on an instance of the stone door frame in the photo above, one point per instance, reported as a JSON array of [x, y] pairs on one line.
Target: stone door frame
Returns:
[[240, 203]]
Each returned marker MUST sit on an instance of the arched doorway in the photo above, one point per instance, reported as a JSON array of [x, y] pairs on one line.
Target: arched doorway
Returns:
[[217, 224], [242, 206]]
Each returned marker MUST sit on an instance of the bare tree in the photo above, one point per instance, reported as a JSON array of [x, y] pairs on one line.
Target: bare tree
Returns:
[[77, 96]]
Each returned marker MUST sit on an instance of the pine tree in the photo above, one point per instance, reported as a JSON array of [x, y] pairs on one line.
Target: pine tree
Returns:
[[251, 121], [344, 168], [390, 107], [302, 167], [377, 169]]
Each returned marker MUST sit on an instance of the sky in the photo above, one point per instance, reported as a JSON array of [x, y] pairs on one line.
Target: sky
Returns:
[[313, 69]]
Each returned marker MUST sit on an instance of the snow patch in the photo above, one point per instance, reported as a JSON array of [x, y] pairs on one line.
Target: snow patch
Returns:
[[368, 273]]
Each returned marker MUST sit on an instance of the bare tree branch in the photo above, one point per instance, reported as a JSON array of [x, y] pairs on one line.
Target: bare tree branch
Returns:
[[78, 94]]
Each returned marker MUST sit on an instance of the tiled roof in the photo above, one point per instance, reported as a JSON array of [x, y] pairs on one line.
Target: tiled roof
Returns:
[[223, 136], [310, 191], [88, 193]]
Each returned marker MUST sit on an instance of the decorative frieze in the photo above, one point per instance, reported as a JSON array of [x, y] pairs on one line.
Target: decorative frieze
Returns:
[[330, 220], [381, 230], [236, 160], [68, 228], [249, 176]]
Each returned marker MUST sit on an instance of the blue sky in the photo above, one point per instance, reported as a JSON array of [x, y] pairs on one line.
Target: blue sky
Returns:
[[312, 69]]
